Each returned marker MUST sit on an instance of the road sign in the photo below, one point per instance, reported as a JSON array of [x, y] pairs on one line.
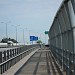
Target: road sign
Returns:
[[36, 38], [46, 32], [33, 38]]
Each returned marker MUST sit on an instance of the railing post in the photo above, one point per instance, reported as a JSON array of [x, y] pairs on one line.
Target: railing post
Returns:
[[0, 57], [0, 61], [4, 55], [0, 69], [10, 53], [74, 64], [7, 54], [69, 65]]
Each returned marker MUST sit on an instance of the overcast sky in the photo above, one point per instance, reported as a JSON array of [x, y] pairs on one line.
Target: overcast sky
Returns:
[[35, 16]]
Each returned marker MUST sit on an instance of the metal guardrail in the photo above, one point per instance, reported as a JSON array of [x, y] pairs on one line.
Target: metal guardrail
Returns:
[[10, 57], [65, 59]]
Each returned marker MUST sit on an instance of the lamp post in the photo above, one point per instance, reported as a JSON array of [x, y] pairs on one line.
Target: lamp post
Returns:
[[29, 32], [6, 28], [16, 32], [23, 35]]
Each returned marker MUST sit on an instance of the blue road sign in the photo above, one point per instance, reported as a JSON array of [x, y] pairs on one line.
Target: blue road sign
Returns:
[[33, 38], [36, 38]]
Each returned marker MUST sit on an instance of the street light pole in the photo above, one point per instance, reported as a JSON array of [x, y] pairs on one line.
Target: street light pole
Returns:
[[28, 31], [29, 36], [16, 35], [6, 31], [6, 28], [23, 37], [16, 32]]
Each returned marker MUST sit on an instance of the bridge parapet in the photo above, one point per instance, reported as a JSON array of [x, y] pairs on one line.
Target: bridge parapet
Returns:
[[10, 56]]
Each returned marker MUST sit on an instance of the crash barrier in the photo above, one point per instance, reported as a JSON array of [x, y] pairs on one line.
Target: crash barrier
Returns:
[[11, 56]]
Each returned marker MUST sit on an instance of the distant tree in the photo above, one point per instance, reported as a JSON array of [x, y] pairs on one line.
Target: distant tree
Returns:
[[14, 40], [5, 40], [39, 42]]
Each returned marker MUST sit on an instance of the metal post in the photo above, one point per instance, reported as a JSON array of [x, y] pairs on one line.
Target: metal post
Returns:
[[0, 69], [0, 57], [23, 37], [74, 64], [4, 55], [6, 27], [6, 31], [7, 54], [16, 35], [16, 32], [29, 36], [10, 53]]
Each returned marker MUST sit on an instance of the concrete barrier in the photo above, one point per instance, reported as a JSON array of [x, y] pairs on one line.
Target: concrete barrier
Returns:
[[11, 56]]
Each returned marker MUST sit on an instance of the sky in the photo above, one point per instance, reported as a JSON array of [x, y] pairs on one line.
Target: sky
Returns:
[[34, 16]]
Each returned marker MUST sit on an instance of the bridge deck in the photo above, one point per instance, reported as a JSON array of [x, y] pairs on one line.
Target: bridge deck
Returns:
[[41, 63]]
